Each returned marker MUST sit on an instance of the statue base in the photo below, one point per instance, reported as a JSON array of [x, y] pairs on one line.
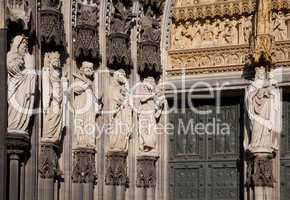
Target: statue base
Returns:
[[146, 171], [17, 141], [116, 172]]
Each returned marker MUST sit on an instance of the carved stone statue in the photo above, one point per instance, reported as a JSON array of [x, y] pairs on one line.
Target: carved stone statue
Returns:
[[279, 27], [121, 113], [21, 84], [263, 106], [151, 107], [245, 29], [52, 98], [87, 106]]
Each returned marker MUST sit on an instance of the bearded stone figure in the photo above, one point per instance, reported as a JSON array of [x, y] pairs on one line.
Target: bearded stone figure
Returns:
[[151, 107], [52, 98], [87, 106], [122, 113], [21, 85], [264, 112]]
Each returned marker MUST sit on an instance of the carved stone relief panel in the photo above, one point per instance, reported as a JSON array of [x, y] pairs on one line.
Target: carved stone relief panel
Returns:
[[208, 60], [212, 32]]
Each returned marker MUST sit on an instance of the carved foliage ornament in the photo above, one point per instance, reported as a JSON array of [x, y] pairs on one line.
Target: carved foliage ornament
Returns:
[[146, 172], [260, 172], [48, 161], [51, 22], [150, 35], [86, 30], [116, 173], [84, 169], [120, 24]]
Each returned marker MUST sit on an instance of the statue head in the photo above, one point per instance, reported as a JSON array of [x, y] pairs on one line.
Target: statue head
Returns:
[[52, 59], [120, 76], [260, 73], [87, 69], [150, 82], [20, 45]]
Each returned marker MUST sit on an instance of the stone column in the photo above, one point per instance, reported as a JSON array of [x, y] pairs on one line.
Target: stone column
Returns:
[[17, 144], [84, 174], [260, 179], [116, 175], [146, 177], [3, 100], [48, 169]]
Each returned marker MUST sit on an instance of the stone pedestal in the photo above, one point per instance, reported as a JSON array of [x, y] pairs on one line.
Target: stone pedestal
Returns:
[[116, 175], [84, 174], [146, 177], [260, 179], [48, 170], [18, 145]]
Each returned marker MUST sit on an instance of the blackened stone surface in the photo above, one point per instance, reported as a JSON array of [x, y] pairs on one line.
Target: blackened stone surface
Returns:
[[3, 113]]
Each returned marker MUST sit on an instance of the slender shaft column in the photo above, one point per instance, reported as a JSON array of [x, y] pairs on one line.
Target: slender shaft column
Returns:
[[116, 175], [14, 185], [48, 170], [146, 177], [17, 144], [84, 174]]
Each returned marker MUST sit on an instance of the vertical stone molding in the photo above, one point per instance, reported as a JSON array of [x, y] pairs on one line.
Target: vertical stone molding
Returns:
[[18, 145], [116, 172], [84, 168], [146, 171]]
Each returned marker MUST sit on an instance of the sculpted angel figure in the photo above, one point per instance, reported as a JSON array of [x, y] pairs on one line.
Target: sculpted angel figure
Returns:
[[151, 107], [121, 113], [264, 112], [87, 105], [52, 98], [21, 85]]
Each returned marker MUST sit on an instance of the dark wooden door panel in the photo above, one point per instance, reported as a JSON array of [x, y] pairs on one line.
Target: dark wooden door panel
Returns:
[[204, 166]]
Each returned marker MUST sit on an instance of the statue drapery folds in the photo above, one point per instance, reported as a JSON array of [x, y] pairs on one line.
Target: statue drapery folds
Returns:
[[121, 113], [52, 97], [86, 104], [263, 106], [21, 84], [152, 103]]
